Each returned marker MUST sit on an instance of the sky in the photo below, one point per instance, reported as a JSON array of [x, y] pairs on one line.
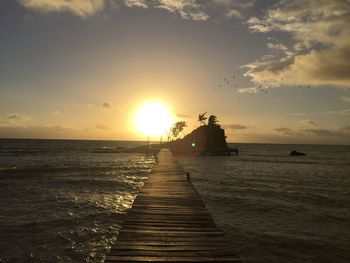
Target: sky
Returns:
[[271, 71]]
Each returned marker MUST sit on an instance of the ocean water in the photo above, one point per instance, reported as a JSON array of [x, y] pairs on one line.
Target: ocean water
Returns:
[[277, 208], [64, 201]]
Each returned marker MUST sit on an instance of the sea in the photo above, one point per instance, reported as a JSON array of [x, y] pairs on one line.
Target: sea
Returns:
[[64, 200]]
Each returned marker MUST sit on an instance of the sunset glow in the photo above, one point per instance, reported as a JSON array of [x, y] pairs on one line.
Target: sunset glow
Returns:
[[153, 119]]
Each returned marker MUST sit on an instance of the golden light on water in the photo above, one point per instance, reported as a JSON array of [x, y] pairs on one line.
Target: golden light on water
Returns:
[[153, 118]]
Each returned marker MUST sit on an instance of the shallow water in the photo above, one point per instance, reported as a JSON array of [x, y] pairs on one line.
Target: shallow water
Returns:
[[63, 201]]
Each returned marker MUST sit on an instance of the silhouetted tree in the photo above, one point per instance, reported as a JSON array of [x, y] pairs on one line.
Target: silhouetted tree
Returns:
[[202, 118], [176, 129], [212, 120]]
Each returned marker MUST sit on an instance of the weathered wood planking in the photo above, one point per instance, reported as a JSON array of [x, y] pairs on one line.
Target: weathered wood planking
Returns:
[[168, 222]]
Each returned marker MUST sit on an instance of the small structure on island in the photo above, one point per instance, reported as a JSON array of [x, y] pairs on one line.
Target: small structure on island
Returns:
[[207, 139]]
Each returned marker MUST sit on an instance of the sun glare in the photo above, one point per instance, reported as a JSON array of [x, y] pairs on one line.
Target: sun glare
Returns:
[[153, 119]]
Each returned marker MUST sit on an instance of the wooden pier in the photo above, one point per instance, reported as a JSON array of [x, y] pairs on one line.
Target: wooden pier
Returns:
[[168, 222]]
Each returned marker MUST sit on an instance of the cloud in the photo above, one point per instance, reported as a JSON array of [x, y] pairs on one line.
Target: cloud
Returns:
[[292, 135], [17, 117], [308, 123], [231, 3], [345, 129], [339, 112], [188, 9], [106, 105], [341, 133], [234, 126], [257, 25], [101, 127], [14, 119], [287, 131], [56, 128], [57, 113], [82, 8], [322, 132], [36, 131], [300, 114], [248, 90], [233, 13], [320, 50], [196, 10], [346, 98], [282, 130], [276, 46], [136, 3]]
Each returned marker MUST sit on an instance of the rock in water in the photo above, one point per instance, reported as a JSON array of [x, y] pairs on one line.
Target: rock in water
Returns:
[[296, 153]]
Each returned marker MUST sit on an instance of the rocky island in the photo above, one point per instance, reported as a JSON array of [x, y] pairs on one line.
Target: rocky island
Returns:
[[207, 139]]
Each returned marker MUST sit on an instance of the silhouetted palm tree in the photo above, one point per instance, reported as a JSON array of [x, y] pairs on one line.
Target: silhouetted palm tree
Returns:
[[202, 118], [213, 120]]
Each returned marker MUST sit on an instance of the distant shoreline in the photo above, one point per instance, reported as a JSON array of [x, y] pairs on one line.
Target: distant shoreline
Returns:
[[157, 142]]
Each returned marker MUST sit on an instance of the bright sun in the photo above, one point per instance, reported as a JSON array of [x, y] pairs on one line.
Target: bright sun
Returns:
[[153, 119]]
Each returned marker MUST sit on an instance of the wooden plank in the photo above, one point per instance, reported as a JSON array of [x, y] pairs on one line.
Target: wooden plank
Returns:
[[171, 245], [172, 238], [157, 247], [169, 222], [171, 259], [177, 229], [171, 253]]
